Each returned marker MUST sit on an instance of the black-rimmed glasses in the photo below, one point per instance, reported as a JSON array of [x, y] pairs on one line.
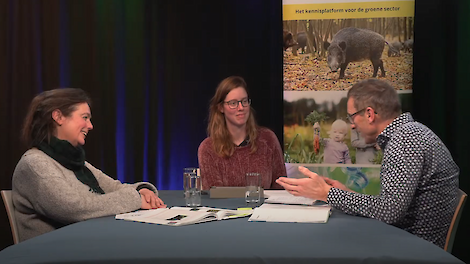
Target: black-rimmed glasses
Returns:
[[351, 116], [234, 103]]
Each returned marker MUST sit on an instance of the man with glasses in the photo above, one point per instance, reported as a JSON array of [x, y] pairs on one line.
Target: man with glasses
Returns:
[[419, 178]]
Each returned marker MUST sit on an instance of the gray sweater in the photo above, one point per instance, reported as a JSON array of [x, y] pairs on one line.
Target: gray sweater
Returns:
[[47, 196]]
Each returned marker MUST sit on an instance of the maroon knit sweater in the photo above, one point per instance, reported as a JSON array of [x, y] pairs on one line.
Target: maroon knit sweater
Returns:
[[267, 160]]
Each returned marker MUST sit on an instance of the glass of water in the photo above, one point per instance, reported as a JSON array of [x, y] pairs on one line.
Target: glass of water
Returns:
[[253, 188], [192, 187]]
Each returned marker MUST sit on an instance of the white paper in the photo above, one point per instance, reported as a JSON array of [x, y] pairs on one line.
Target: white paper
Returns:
[[177, 216], [269, 193], [291, 213], [284, 197]]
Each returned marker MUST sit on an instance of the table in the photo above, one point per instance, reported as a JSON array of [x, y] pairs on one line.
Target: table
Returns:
[[344, 239]]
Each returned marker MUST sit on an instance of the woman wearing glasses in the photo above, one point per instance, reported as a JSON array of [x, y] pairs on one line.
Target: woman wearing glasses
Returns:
[[236, 144]]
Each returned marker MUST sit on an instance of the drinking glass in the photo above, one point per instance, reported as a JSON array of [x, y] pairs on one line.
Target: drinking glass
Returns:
[[253, 188], [192, 187]]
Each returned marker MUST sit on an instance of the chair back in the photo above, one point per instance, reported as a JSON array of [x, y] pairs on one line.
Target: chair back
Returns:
[[6, 196], [462, 196]]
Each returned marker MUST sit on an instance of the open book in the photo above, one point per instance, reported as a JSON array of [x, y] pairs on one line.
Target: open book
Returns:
[[291, 213], [178, 216], [284, 197]]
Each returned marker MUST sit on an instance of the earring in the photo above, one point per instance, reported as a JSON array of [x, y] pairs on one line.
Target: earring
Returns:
[[56, 122]]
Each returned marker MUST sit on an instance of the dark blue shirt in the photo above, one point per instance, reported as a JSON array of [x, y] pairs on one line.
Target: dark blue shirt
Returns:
[[419, 183]]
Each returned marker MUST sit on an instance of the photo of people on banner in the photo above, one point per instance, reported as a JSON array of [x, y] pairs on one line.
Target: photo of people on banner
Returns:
[[316, 129], [333, 54]]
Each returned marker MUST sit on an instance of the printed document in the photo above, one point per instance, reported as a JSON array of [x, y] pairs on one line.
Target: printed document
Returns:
[[178, 216], [291, 213]]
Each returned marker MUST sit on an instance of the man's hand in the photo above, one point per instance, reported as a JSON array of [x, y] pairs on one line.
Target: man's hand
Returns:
[[150, 200], [313, 187], [336, 184]]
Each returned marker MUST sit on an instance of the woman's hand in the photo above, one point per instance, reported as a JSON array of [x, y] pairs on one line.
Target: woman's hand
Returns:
[[150, 200]]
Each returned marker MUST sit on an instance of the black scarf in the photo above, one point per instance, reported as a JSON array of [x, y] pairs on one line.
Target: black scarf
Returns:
[[72, 158]]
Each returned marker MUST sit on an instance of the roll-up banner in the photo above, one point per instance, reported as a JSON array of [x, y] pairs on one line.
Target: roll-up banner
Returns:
[[318, 73]]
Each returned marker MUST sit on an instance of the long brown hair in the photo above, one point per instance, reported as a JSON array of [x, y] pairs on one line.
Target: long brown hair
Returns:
[[38, 124], [217, 128]]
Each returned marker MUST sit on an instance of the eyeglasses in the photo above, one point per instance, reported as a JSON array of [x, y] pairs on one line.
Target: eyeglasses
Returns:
[[351, 116], [234, 103]]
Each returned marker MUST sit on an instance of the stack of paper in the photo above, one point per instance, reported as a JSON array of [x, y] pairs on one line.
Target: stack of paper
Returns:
[[284, 197], [291, 213], [281, 206]]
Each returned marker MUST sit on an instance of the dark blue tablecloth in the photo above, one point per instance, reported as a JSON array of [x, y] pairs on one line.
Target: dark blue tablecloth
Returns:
[[344, 239]]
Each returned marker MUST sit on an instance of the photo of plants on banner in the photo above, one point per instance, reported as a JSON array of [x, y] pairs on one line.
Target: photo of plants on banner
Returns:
[[328, 47]]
